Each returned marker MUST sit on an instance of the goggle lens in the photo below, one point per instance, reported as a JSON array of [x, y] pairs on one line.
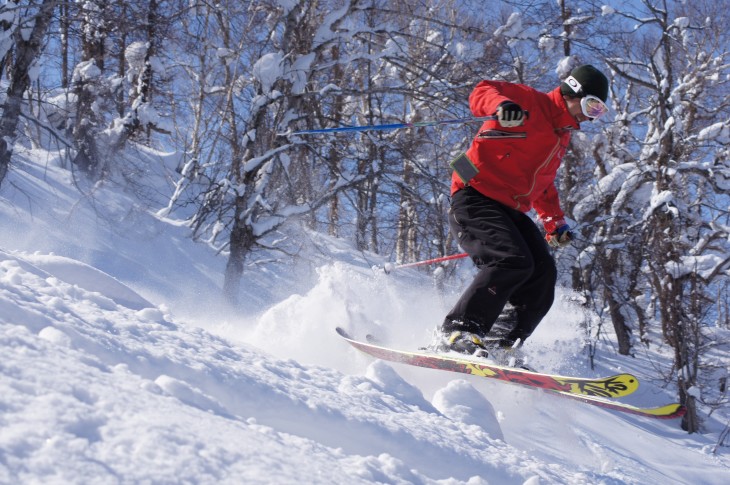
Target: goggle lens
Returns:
[[593, 107]]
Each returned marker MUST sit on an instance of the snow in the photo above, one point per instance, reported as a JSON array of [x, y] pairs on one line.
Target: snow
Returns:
[[324, 32], [704, 265], [120, 364], [135, 54], [565, 65], [718, 131], [681, 22], [86, 71], [546, 43], [299, 72], [577, 20], [268, 69], [513, 27], [465, 51]]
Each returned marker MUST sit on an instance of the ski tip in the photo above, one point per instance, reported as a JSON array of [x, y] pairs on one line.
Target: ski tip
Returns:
[[342, 332], [668, 411], [678, 413]]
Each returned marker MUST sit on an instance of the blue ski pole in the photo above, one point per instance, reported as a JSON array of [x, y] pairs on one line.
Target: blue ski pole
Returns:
[[391, 126]]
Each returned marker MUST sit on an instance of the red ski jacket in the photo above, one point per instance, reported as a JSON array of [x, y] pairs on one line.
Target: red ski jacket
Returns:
[[517, 166]]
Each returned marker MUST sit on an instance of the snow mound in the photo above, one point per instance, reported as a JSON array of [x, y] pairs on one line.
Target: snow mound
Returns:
[[91, 392]]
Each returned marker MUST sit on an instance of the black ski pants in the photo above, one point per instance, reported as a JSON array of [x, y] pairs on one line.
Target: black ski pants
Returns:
[[514, 261]]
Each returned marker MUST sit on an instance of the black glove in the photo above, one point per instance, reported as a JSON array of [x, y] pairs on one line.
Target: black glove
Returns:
[[510, 114]]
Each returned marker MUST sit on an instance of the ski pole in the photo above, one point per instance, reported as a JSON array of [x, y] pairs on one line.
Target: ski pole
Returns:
[[390, 267], [391, 126]]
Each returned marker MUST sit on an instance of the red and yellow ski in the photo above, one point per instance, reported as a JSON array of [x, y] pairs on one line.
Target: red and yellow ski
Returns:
[[588, 390]]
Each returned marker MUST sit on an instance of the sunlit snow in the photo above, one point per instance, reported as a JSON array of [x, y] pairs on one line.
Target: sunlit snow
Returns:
[[120, 364]]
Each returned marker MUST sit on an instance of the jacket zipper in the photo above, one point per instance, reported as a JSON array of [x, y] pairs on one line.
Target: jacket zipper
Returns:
[[534, 175]]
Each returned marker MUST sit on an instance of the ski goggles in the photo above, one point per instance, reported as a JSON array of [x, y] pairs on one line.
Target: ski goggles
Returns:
[[593, 107]]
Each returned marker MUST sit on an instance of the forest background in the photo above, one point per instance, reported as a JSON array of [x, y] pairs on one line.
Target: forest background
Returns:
[[219, 87]]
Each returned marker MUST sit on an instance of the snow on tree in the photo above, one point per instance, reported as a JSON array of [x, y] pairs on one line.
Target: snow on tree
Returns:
[[24, 33], [659, 243]]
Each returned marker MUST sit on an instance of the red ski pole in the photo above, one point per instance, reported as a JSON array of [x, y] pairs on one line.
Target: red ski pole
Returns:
[[390, 267]]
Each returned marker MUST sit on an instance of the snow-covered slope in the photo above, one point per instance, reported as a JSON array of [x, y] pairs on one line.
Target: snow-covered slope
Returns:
[[119, 364]]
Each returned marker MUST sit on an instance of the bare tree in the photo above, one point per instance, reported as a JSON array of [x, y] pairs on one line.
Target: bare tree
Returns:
[[249, 180], [26, 52], [87, 84], [659, 183]]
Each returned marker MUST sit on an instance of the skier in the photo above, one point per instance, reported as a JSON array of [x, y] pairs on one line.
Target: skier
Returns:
[[508, 170]]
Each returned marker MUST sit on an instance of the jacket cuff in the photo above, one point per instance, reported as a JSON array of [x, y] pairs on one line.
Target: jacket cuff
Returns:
[[551, 224]]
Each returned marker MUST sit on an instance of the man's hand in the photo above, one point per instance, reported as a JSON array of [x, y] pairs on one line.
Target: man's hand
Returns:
[[510, 114], [560, 237]]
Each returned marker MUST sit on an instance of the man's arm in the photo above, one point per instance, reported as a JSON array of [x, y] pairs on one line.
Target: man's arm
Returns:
[[486, 97], [548, 209]]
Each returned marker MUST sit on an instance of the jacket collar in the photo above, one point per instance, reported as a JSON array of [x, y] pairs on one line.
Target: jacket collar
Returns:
[[562, 119]]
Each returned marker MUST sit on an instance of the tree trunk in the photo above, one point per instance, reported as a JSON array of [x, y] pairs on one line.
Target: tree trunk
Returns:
[[241, 241], [406, 236], [335, 159], [86, 127], [26, 52], [615, 304], [65, 23]]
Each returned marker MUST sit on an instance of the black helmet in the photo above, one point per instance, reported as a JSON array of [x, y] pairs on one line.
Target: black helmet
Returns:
[[585, 80]]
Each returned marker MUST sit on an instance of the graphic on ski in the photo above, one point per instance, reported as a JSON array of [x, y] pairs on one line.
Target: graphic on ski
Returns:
[[614, 386], [587, 390]]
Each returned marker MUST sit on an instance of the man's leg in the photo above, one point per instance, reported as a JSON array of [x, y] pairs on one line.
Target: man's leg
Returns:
[[533, 299], [486, 230]]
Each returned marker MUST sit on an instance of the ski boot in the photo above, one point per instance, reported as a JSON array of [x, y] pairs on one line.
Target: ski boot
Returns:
[[506, 351], [466, 343], [457, 341]]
